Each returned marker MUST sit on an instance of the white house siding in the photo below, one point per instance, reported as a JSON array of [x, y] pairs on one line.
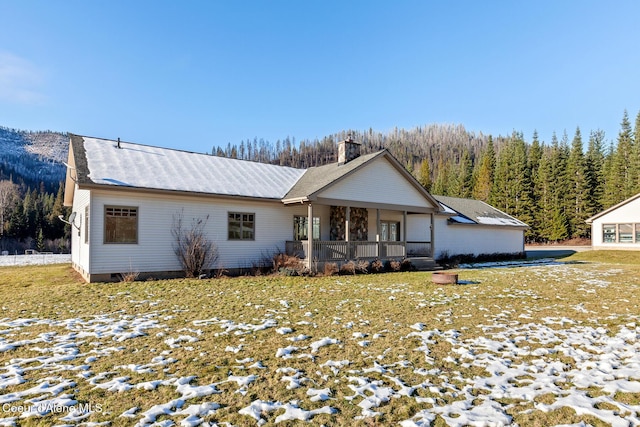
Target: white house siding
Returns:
[[628, 213], [154, 250], [323, 212], [376, 183], [452, 239], [419, 228], [80, 253]]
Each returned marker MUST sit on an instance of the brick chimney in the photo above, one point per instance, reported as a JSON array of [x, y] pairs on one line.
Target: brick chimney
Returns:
[[348, 150]]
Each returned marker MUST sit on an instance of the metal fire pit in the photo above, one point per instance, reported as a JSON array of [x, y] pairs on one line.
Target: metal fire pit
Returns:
[[444, 278]]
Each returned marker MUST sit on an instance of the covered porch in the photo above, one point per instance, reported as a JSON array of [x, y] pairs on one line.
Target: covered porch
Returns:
[[373, 233]]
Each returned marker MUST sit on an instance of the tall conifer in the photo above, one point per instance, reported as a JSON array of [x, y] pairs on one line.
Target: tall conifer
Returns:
[[577, 195]]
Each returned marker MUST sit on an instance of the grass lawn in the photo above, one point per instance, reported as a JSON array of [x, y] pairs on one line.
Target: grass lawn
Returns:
[[533, 345]]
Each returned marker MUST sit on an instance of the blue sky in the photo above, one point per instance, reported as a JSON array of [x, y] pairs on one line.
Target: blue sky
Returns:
[[198, 74]]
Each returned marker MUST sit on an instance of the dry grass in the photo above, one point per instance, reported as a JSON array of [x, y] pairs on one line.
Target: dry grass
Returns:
[[371, 316]]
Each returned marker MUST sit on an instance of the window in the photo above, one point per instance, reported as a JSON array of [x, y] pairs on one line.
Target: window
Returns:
[[300, 227], [120, 224], [389, 231], [625, 233], [609, 233], [86, 224], [621, 233], [241, 226]]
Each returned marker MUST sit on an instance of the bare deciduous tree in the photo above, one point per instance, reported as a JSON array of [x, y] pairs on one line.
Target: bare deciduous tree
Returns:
[[196, 253]]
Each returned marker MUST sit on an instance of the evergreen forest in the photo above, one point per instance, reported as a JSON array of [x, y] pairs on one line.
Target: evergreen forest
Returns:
[[553, 186]]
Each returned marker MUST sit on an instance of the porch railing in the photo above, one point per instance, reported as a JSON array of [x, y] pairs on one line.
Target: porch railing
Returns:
[[324, 250]]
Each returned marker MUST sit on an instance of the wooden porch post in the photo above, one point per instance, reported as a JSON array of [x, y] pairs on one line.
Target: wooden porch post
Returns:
[[433, 241], [347, 219], [378, 232], [347, 230], [310, 253], [404, 232]]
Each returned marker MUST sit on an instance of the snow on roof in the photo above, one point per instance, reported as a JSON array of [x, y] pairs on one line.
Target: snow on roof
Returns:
[[469, 211], [142, 166], [499, 221]]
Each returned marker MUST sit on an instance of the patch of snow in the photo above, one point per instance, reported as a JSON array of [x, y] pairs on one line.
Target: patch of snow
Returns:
[[316, 345]]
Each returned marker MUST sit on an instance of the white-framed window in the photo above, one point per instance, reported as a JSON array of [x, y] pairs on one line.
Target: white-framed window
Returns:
[[301, 227], [621, 233], [608, 233], [241, 226], [120, 224]]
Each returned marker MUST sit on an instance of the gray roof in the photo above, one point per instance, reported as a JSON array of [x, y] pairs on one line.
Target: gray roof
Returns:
[[317, 178], [101, 162], [470, 211]]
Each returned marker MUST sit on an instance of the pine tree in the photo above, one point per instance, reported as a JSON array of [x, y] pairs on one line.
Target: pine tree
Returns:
[[40, 241], [543, 190], [512, 184], [483, 181], [594, 177], [55, 227], [612, 184], [534, 158], [623, 166], [8, 194], [558, 188], [425, 174], [578, 191], [636, 156], [440, 184], [559, 226], [465, 174]]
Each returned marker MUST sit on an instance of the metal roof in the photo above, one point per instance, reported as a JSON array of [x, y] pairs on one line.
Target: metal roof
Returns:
[[100, 161], [470, 211]]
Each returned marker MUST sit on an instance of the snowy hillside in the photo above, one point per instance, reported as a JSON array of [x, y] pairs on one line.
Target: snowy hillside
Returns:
[[33, 157]]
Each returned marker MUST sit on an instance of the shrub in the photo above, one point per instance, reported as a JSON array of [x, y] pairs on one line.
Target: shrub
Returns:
[[288, 271], [376, 266], [129, 277], [406, 265], [348, 268], [195, 252], [392, 265], [330, 268], [452, 261], [362, 267], [287, 264]]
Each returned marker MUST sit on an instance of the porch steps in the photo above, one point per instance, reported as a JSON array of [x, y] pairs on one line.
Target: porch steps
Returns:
[[425, 264]]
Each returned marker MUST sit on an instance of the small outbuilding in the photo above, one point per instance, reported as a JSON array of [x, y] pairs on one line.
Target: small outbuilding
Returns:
[[617, 227]]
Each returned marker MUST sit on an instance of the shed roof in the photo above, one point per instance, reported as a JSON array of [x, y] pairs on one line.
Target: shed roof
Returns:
[[100, 161], [470, 211]]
